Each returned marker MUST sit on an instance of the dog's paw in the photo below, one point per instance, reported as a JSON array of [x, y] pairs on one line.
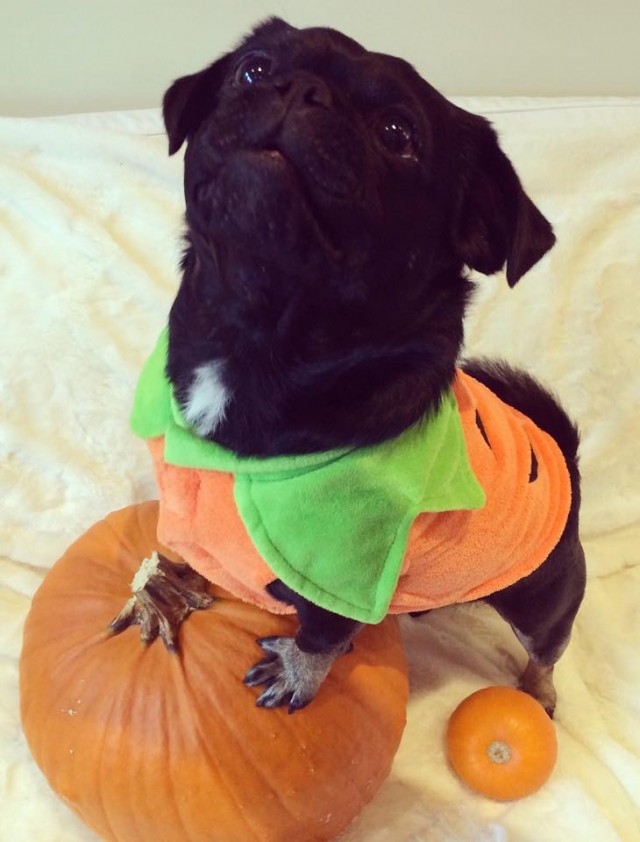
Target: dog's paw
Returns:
[[292, 677], [538, 682], [548, 701]]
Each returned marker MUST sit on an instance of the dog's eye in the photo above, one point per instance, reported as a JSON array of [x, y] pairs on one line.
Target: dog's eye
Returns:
[[254, 68], [397, 135]]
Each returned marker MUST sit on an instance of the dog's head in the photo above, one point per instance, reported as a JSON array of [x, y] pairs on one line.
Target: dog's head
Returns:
[[304, 139], [336, 198]]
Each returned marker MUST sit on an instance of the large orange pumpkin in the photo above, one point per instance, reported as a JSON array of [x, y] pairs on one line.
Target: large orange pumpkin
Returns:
[[144, 744], [502, 743]]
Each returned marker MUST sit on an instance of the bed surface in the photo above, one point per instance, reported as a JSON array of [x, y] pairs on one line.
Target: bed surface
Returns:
[[90, 216]]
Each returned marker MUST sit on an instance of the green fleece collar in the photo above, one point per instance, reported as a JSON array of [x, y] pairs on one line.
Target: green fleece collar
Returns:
[[334, 525]]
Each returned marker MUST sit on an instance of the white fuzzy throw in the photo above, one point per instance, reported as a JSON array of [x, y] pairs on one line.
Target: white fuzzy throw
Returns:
[[90, 216]]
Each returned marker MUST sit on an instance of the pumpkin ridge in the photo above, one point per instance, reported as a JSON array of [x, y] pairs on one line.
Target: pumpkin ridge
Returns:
[[160, 716], [264, 773], [121, 702], [178, 807], [188, 686], [71, 665], [368, 700], [207, 750], [101, 792]]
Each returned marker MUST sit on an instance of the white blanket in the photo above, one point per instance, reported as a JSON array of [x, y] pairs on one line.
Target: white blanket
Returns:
[[90, 214]]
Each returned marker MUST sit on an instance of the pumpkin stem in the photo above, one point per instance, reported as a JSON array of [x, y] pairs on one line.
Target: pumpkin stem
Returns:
[[164, 594]]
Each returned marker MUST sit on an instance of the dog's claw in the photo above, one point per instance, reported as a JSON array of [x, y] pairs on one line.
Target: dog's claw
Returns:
[[267, 698], [297, 704], [260, 673], [274, 644], [291, 677]]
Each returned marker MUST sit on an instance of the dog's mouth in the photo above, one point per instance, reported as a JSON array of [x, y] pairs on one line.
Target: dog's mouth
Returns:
[[311, 192], [280, 186]]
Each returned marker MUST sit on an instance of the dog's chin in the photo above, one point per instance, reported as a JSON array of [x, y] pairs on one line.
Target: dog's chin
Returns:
[[259, 201]]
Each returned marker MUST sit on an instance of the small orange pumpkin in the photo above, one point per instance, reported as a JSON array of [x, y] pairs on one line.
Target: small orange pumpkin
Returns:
[[145, 744], [501, 742]]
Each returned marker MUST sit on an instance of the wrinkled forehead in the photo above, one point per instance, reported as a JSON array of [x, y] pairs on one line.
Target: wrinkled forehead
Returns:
[[320, 42], [343, 61]]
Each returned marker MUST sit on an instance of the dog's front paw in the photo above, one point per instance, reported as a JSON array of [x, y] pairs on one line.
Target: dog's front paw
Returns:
[[292, 677]]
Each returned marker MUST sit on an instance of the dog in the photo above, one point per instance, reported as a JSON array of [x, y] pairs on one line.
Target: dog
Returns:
[[335, 204]]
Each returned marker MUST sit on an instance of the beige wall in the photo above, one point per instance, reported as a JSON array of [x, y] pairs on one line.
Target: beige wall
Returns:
[[82, 55]]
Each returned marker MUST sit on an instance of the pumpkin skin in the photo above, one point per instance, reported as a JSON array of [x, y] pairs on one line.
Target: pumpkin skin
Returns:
[[144, 744], [501, 742]]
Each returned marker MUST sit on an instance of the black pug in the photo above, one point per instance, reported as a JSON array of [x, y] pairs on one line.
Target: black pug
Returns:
[[334, 202]]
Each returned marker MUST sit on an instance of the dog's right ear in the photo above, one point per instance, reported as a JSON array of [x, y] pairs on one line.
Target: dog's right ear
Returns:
[[189, 100]]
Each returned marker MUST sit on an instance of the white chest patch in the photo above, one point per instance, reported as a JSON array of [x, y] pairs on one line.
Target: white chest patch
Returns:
[[207, 398]]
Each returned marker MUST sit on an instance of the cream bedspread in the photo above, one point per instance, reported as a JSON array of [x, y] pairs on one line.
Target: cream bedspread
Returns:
[[90, 211]]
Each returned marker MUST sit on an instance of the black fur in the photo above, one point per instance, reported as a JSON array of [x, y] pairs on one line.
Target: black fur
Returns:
[[335, 203], [333, 289]]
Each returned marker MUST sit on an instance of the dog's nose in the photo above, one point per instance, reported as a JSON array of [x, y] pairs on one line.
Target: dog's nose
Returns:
[[305, 91]]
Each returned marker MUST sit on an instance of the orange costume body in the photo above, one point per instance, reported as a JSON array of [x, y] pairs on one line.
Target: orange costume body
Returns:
[[448, 556]]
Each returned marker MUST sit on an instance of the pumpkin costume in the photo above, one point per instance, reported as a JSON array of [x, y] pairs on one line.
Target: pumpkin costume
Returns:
[[465, 502]]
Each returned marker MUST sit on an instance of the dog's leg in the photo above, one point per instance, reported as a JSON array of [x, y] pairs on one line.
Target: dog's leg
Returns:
[[537, 679], [541, 609], [294, 668]]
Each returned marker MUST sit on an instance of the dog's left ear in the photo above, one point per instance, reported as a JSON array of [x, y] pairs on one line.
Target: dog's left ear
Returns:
[[497, 222], [188, 101]]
